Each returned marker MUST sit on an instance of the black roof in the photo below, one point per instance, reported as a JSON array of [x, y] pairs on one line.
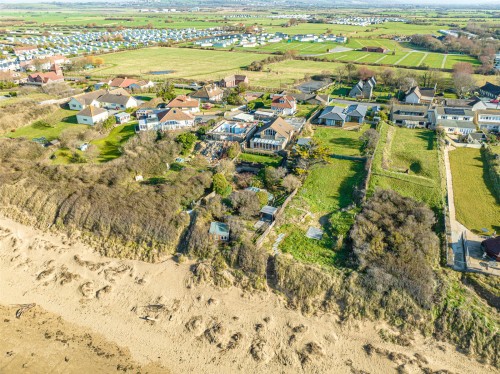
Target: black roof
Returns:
[[492, 88], [492, 246]]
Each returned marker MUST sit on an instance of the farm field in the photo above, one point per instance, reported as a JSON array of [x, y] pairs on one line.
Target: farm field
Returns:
[[185, 63], [339, 141], [475, 205], [407, 161]]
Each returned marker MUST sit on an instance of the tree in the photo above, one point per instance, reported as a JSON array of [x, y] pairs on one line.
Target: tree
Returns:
[[290, 183], [245, 203], [351, 68], [365, 73], [273, 176], [187, 140], [387, 77], [370, 140], [341, 70], [262, 198], [166, 90], [463, 83], [220, 185], [463, 67], [227, 168]]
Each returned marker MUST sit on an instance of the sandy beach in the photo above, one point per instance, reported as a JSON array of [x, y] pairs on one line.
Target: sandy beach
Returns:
[[152, 318]]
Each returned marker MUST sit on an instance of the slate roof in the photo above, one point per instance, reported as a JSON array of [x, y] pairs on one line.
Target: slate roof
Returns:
[[91, 111], [491, 88], [114, 99], [89, 97]]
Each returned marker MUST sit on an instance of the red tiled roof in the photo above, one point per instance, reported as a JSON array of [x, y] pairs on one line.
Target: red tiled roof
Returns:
[[283, 102]]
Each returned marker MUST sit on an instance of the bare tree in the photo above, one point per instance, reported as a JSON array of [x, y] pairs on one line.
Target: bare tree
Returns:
[[463, 83]]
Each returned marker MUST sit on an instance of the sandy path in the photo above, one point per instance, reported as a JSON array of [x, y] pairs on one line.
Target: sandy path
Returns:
[[197, 328]]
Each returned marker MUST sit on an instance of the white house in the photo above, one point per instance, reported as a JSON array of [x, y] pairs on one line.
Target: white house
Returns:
[[284, 104], [117, 102], [91, 115], [488, 119], [80, 102], [417, 95]]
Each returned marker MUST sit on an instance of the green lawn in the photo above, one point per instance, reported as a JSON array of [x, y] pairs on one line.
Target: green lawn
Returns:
[[475, 204], [339, 141], [261, 159], [412, 165], [59, 121], [329, 187], [110, 146]]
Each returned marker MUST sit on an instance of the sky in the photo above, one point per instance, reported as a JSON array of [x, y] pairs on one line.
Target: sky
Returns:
[[364, 2]]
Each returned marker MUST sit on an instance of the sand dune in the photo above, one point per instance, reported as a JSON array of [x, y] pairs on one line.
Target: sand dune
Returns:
[[153, 316]]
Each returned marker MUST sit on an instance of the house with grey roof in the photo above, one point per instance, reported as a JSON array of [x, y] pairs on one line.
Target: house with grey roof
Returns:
[[117, 101], [339, 116], [363, 89]]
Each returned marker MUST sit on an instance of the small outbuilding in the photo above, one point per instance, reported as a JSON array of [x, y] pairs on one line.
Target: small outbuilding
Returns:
[[268, 213], [219, 231]]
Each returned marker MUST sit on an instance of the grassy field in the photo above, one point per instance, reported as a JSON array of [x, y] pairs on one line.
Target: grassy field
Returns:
[[60, 121], [261, 159], [411, 165], [184, 62], [339, 141], [475, 204]]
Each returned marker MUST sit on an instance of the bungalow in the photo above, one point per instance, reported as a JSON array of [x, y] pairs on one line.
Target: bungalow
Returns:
[[417, 95], [209, 93], [233, 81], [117, 102], [82, 101], [129, 84], [473, 103], [488, 120], [184, 103], [91, 115], [311, 99], [284, 105], [363, 89], [456, 126], [175, 119], [476, 138], [338, 116], [491, 91], [272, 137], [410, 116], [219, 231], [233, 131]]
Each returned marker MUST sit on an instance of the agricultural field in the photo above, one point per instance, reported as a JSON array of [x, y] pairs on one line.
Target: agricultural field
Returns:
[[183, 62], [475, 204], [407, 161]]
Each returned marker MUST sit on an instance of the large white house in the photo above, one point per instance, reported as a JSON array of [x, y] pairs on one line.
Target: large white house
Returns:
[[91, 115], [488, 119], [284, 104], [117, 102], [80, 102]]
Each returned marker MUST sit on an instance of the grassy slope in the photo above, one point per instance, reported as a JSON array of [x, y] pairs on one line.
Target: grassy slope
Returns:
[[109, 146], [475, 204], [60, 120], [262, 159]]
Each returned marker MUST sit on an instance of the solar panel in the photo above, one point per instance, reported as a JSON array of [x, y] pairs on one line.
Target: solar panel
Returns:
[[454, 111]]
